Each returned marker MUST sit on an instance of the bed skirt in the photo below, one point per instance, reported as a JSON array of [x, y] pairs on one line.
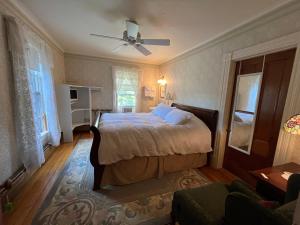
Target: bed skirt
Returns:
[[143, 168]]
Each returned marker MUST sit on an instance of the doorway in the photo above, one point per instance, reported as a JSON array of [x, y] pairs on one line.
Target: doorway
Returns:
[[260, 90]]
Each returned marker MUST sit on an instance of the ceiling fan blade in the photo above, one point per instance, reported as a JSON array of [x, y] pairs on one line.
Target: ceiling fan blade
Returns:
[[164, 42], [142, 49], [119, 47], [104, 36]]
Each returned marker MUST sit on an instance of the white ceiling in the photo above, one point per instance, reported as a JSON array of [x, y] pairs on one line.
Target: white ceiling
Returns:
[[187, 23]]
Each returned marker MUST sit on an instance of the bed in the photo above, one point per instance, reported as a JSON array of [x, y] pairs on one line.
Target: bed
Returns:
[[242, 130], [120, 164], [241, 133]]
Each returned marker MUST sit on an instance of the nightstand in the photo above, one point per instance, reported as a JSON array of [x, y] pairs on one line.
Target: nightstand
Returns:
[[270, 183]]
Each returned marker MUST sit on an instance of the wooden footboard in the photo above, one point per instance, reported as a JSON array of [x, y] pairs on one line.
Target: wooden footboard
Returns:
[[94, 156]]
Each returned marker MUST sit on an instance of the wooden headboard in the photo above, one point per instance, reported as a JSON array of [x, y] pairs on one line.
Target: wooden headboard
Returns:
[[208, 116]]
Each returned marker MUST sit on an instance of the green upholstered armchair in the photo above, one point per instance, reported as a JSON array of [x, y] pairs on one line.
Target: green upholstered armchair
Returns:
[[234, 204]]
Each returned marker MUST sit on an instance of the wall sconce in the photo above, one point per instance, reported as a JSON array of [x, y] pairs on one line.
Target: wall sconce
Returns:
[[162, 81]]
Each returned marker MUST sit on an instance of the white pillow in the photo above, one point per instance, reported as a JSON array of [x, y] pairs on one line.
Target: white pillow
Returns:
[[162, 110], [177, 116]]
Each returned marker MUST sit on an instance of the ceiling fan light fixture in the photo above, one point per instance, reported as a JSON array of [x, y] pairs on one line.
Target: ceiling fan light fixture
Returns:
[[133, 38], [132, 29]]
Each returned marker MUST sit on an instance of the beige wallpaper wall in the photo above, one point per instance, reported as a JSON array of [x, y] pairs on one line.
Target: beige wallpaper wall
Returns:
[[94, 71], [196, 77], [9, 157]]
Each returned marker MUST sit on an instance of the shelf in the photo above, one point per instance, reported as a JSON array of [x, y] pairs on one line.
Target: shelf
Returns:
[[80, 109], [74, 125], [83, 86]]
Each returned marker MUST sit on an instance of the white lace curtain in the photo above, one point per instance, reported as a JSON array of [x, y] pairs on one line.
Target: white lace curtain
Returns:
[[43, 61], [28, 142], [126, 85], [28, 128]]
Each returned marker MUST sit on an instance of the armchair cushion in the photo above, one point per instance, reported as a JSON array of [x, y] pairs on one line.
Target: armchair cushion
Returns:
[[269, 204], [286, 211]]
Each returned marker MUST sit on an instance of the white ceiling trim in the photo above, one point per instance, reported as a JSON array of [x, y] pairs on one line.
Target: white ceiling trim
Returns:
[[275, 12], [116, 58], [107, 59], [20, 11]]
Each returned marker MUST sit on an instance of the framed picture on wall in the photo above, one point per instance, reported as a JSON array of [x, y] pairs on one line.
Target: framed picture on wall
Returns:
[[162, 91]]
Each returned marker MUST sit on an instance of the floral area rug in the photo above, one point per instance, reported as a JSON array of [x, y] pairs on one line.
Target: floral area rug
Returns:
[[72, 201]]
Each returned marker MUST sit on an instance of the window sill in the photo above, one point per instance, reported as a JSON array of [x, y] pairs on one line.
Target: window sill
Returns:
[[45, 138]]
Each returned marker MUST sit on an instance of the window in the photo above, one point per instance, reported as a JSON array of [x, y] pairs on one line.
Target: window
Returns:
[[126, 87], [37, 90]]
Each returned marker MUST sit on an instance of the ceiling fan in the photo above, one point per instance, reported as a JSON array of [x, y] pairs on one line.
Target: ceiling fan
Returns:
[[132, 36]]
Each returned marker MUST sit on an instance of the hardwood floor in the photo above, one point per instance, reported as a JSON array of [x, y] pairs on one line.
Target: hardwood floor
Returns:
[[36, 189], [218, 175]]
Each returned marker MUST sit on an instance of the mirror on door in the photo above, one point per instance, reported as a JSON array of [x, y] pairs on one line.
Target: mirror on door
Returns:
[[244, 111]]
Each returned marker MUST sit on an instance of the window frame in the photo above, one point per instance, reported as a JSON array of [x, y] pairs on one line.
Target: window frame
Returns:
[[123, 92]]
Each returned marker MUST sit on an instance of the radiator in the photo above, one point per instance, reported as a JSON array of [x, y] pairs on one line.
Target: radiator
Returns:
[[16, 178], [127, 109]]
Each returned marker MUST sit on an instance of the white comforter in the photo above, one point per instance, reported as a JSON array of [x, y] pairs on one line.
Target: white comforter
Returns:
[[241, 134], [127, 135]]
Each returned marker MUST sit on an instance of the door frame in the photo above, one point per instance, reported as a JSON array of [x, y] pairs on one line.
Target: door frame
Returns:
[[286, 142]]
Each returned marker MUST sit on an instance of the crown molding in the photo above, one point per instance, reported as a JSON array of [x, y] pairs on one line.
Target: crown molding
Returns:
[[270, 15], [106, 59], [18, 10]]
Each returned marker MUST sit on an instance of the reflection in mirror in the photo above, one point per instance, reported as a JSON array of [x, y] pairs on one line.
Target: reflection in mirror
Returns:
[[244, 111]]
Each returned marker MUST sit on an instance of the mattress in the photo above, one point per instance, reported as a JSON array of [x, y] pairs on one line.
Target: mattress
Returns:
[[128, 135]]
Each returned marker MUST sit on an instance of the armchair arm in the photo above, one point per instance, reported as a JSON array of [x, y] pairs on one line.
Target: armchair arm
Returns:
[[187, 211], [293, 188], [240, 209], [242, 187]]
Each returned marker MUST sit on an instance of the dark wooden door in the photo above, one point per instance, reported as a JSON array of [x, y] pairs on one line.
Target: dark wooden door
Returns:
[[277, 69]]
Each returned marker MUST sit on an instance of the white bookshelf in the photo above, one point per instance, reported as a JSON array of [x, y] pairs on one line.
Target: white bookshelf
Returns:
[[74, 113], [80, 109]]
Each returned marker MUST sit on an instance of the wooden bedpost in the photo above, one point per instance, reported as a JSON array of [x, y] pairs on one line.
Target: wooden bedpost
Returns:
[[94, 156], [98, 173]]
